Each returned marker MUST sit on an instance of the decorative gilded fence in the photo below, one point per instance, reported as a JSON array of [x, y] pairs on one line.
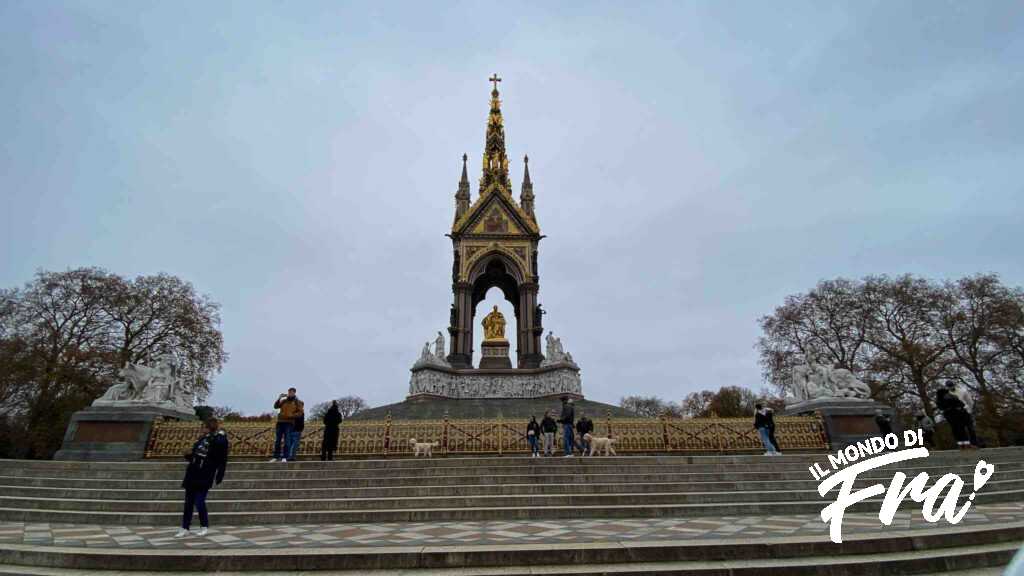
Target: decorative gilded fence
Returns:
[[377, 438]]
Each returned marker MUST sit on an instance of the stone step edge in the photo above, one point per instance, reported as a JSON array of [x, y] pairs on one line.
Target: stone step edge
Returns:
[[409, 462], [96, 515], [761, 552], [639, 495], [994, 557], [1016, 466], [222, 489]]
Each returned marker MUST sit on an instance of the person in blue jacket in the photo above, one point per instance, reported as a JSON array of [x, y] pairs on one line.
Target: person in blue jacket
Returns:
[[206, 465]]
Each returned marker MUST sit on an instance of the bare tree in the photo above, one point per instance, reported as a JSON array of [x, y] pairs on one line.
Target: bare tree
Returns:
[[64, 336], [347, 405], [649, 406], [974, 311], [829, 323], [911, 354]]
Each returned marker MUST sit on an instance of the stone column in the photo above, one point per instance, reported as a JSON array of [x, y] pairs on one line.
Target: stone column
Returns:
[[528, 337], [461, 332]]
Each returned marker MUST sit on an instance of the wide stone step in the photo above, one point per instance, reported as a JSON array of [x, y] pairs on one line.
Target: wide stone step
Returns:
[[897, 552], [227, 492], [561, 507], [485, 465], [285, 473]]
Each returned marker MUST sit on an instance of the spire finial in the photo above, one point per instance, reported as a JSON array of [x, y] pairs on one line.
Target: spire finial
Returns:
[[462, 194], [495, 163], [526, 196]]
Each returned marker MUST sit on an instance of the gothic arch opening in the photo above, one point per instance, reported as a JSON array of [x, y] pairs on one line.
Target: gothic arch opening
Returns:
[[494, 297]]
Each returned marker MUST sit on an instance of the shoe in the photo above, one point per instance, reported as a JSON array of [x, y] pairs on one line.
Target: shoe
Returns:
[[568, 456], [273, 459], [182, 533], [284, 460], [202, 531], [767, 453]]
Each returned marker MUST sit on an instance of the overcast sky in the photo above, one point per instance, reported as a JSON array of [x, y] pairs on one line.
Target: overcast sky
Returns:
[[693, 164]]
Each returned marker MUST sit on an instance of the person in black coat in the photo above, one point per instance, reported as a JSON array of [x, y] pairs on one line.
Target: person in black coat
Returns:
[[548, 427], [583, 427], [884, 422], [771, 429], [954, 411], [762, 422], [533, 436], [207, 462], [332, 420], [567, 420]]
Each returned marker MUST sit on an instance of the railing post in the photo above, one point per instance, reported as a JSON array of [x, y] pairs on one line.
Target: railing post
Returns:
[[444, 435], [501, 433], [664, 431], [387, 433]]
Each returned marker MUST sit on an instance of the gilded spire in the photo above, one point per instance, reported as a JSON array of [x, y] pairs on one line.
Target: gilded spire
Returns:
[[495, 163], [526, 195], [462, 195]]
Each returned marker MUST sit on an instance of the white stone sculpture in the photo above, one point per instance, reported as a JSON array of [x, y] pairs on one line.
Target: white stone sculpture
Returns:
[[142, 386], [435, 358], [554, 353], [814, 380], [439, 345]]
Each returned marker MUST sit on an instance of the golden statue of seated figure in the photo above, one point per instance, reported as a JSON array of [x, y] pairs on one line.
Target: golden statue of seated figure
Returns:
[[494, 326]]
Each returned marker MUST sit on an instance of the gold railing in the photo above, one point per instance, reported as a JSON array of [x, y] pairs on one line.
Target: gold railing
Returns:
[[171, 439]]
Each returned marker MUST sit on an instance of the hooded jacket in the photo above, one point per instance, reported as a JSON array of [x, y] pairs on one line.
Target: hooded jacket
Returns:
[[207, 462]]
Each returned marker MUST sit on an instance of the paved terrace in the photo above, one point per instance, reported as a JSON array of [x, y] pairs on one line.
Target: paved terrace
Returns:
[[803, 526]]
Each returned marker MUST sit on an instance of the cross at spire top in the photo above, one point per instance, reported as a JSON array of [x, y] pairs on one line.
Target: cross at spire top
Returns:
[[494, 79]]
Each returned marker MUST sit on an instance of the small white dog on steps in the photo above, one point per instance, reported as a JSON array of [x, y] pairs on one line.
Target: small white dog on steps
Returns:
[[425, 448], [599, 444]]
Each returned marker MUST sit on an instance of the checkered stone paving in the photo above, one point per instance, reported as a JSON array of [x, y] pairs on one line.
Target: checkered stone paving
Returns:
[[490, 532]]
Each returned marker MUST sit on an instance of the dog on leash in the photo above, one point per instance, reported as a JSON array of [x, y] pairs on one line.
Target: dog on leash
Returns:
[[425, 448], [599, 444]]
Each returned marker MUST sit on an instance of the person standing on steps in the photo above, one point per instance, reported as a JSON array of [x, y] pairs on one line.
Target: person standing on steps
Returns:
[[533, 436], [927, 426], [954, 412], [332, 422], [761, 422], [771, 429], [207, 462], [287, 406], [884, 422], [548, 427], [965, 397], [567, 419], [295, 437], [583, 427]]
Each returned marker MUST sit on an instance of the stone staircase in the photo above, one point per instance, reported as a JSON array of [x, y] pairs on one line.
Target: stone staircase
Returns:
[[147, 494]]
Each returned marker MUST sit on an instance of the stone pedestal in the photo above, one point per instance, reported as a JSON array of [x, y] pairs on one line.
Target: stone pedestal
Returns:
[[112, 433], [847, 421], [494, 354]]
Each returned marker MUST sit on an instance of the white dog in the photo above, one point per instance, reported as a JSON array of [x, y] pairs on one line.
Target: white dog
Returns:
[[599, 444], [426, 448]]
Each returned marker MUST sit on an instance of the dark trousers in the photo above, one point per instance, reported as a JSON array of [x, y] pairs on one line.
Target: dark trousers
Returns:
[[969, 425], [326, 452], [958, 420], [929, 438], [281, 434], [195, 499]]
